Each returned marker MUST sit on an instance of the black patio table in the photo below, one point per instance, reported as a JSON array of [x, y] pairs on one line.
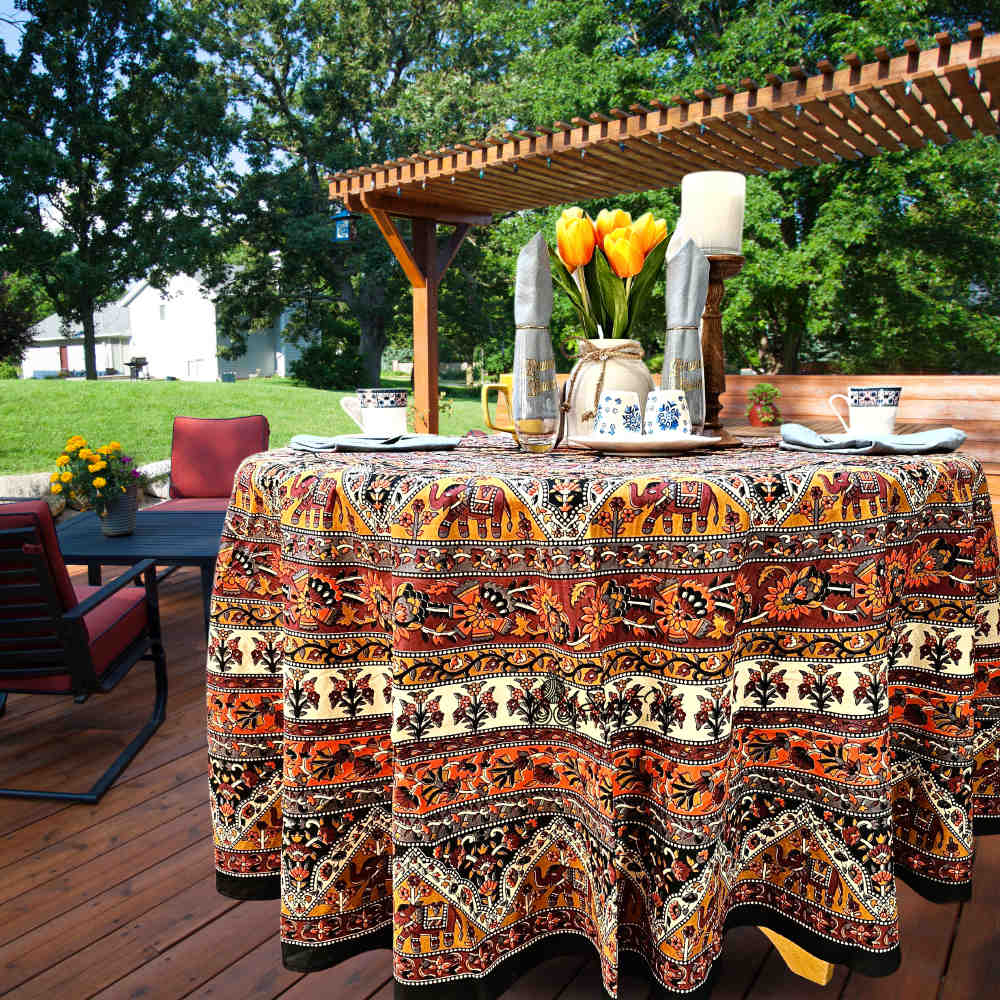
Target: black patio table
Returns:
[[172, 538]]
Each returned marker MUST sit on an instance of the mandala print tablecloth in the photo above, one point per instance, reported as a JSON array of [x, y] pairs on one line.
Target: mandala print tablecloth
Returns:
[[480, 706]]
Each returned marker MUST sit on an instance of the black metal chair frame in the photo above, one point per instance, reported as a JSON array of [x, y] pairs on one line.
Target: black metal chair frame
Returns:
[[66, 649]]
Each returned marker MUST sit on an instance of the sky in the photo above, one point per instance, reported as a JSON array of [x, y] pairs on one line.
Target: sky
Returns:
[[8, 34]]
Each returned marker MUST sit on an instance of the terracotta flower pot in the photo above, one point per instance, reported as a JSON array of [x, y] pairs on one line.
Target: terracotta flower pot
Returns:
[[761, 416]]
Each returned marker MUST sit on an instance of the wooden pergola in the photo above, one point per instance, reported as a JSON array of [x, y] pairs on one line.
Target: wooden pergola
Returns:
[[937, 95]]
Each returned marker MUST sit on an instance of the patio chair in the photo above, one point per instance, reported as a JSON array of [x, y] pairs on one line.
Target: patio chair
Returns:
[[58, 638], [205, 456]]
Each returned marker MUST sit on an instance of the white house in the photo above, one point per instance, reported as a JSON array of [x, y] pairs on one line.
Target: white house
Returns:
[[173, 330]]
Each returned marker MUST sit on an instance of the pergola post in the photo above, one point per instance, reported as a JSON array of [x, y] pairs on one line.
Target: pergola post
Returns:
[[424, 265], [425, 328]]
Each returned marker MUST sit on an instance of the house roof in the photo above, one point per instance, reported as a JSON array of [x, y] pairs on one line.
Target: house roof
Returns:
[[936, 95], [112, 323]]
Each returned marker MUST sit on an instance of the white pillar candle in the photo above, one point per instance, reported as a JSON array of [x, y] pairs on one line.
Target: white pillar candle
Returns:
[[712, 203]]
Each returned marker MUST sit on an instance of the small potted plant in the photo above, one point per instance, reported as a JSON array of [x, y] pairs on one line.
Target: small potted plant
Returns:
[[105, 479], [762, 410]]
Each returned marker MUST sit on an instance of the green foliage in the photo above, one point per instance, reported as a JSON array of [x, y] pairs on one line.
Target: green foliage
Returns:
[[22, 305], [763, 397], [325, 365], [764, 393], [328, 363], [112, 138], [9, 369]]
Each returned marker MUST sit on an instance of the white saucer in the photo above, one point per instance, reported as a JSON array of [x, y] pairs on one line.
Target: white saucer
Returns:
[[643, 444]]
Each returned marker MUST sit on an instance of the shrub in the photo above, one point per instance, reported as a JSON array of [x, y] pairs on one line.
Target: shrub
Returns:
[[328, 364], [9, 369]]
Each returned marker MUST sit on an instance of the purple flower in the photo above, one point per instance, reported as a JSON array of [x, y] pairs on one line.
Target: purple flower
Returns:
[[135, 473], [125, 460]]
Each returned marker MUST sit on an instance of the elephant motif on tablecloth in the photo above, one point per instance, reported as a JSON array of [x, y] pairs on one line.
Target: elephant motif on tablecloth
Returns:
[[435, 920], [481, 502], [318, 500], [803, 871], [857, 485], [693, 500]]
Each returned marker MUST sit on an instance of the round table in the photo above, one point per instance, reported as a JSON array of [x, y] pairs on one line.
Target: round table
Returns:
[[481, 706]]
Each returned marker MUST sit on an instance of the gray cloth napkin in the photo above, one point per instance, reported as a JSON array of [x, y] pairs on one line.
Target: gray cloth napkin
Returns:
[[686, 291], [533, 284], [795, 437], [535, 395], [362, 442]]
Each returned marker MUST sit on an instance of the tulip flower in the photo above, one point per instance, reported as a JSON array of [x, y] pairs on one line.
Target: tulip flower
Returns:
[[623, 248], [610, 220], [651, 231], [575, 238]]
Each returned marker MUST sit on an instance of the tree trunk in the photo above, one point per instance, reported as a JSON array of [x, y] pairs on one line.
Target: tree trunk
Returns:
[[371, 346], [89, 339]]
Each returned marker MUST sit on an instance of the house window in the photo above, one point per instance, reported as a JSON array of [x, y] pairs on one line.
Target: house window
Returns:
[[163, 311]]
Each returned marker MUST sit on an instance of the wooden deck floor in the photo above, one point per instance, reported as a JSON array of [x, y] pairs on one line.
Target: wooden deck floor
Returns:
[[118, 900]]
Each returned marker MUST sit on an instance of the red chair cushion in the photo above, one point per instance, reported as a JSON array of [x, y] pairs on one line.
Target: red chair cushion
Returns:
[[111, 627], [211, 504], [36, 514], [206, 454]]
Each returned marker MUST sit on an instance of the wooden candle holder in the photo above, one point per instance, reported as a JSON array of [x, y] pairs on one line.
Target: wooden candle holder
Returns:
[[722, 266]]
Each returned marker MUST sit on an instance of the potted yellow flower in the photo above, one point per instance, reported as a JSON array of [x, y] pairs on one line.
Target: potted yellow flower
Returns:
[[607, 266], [105, 479]]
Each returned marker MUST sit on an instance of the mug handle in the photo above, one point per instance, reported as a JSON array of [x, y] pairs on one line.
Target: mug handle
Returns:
[[351, 405], [501, 390], [836, 412]]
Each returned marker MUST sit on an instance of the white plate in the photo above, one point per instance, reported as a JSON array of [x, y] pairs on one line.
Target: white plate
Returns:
[[641, 444]]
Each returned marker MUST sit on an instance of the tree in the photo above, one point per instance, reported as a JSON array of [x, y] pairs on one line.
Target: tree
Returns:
[[324, 85], [21, 307], [113, 139]]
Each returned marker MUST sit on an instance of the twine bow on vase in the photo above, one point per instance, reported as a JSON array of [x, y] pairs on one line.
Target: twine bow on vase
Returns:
[[591, 353]]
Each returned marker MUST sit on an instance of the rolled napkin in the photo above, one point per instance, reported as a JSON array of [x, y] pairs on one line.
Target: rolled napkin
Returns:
[[535, 402], [687, 290], [363, 442], [796, 437]]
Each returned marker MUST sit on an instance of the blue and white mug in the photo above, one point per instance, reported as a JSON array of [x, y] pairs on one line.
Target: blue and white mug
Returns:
[[667, 412], [618, 415], [871, 409]]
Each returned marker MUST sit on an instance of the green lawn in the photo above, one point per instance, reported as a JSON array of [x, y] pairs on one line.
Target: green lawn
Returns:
[[36, 416]]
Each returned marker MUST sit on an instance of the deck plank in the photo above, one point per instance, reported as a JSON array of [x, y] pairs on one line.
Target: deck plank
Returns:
[[184, 962], [136, 946], [55, 941], [258, 975], [357, 978], [974, 966], [37, 906], [43, 833]]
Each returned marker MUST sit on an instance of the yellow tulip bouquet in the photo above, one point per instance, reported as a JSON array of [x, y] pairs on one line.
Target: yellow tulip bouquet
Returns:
[[608, 266], [94, 478]]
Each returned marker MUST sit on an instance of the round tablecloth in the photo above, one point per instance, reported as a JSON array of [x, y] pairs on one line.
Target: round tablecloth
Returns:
[[480, 706]]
